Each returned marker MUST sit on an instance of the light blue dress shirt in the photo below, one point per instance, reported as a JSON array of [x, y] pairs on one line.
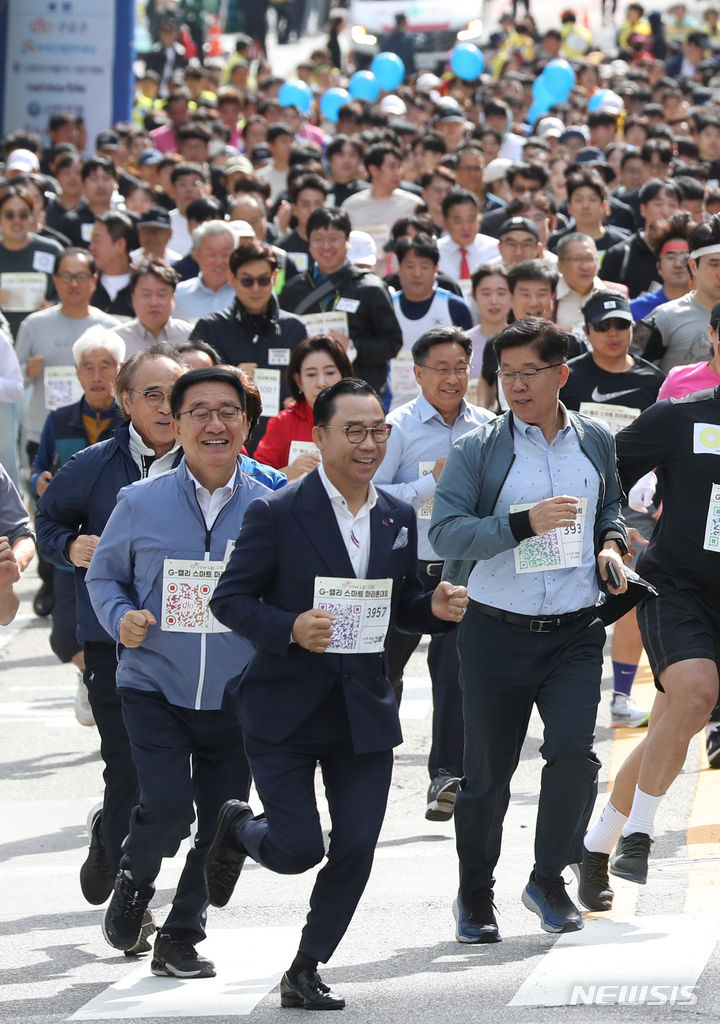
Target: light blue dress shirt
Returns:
[[420, 434], [194, 299], [540, 471]]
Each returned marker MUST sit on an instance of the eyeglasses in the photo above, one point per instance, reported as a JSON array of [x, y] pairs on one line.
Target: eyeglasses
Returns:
[[514, 245], [16, 215], [448, 371], [81, 278], [579, 259], [226, 414], [508, 376], [153, 396], [608, 325], [247, 280], [356, 432]]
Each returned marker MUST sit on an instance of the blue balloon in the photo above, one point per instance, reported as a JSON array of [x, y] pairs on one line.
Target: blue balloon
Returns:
[[296, 93], [364, 86], [541, 93], [467, 61], [536, 111], [389, 71], [559, 79], [331, 102]]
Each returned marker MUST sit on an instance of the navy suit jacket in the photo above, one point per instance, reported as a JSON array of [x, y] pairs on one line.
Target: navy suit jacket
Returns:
[[287, 539]]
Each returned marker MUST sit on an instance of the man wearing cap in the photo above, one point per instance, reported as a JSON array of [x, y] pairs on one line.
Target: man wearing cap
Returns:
[[518, 240], [152, 290], [154, 230], [376, 209], [608, 383], [21, 161], [531, 636]]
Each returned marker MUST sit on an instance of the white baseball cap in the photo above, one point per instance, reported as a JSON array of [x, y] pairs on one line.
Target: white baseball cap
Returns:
[[362, 251]]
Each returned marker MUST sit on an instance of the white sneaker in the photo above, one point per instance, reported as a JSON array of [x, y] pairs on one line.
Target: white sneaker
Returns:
[[625, 713], [81, 704]]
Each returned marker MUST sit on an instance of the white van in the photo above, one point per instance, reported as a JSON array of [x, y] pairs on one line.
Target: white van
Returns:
[[436, 24]]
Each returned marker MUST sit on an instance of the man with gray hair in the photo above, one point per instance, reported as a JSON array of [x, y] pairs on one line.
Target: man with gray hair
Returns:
[[578, 265], [98, 355], [210, 291]]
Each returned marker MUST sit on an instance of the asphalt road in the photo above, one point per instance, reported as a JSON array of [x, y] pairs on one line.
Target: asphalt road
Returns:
[[399, 961]]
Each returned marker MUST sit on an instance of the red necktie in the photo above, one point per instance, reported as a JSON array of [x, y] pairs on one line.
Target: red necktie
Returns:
[[464, 266]]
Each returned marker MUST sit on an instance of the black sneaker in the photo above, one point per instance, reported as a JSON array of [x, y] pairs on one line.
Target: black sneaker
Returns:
[[97, 877], [174, 958], [44, 601], [475, 918], [142, 945], [123, 922], [547, 898], [594, 890], [630, 859], [441, 797], [308, 991], [712, 745]]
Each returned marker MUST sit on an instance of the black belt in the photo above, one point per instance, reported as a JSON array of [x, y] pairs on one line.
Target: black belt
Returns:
[[431, 568], [535, 623]]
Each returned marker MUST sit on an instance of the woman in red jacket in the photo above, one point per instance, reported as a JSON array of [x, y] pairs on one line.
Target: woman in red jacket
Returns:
[[287, 444]]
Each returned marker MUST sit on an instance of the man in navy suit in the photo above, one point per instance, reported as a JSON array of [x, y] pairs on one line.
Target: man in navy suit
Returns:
[[301, 704]]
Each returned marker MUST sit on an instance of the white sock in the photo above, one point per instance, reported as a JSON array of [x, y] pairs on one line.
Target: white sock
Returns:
[[606, 831], [642, 813]]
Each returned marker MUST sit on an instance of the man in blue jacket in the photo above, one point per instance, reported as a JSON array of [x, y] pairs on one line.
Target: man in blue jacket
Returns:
[[150, 581], [319, 572], [530, 502]]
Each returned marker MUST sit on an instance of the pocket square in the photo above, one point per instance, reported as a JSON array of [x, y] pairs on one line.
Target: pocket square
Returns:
[[401, 539]]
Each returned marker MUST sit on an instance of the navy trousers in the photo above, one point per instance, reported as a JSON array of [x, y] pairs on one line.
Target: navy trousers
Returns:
[[121, 784], [289, 839], [504, 671], [446, 750], [183, 758]]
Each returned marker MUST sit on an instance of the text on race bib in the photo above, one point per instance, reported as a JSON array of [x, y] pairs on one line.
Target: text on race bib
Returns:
[[554, 549], [361, 610]]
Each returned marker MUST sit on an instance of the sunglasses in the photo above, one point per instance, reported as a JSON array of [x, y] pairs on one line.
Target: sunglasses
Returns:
[[607, 325], [247, 280]]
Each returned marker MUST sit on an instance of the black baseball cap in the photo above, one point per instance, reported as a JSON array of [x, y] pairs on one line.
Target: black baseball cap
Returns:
[[107, 140], [602, 306], [518, 224], [155, 217]]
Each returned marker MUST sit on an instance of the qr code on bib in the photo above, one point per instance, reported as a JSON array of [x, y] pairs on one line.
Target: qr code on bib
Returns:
[[186, 605], [713, 538], [540, 552], [346, 623]]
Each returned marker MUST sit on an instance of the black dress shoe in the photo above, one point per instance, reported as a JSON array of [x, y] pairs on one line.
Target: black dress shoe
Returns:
[[44, 601], [226, 854], [309, 992]]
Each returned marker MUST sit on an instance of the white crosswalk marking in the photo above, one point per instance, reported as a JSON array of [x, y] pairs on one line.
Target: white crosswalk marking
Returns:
[[249, 963]]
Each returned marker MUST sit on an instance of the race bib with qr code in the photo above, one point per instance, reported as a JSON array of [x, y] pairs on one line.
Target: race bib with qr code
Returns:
[[425, 510], [554, 549], [712, 525], [361, 611], [188, 585], [61, 386]]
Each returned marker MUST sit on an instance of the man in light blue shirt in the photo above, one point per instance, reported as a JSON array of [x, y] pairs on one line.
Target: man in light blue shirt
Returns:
[[423, 431], [210, 291], [530, 503]]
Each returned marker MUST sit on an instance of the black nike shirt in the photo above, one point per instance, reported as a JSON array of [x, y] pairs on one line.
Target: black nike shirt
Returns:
[[636, 388]]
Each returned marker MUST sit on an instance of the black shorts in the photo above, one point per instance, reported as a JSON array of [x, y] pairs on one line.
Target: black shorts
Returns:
[[678, 625]]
